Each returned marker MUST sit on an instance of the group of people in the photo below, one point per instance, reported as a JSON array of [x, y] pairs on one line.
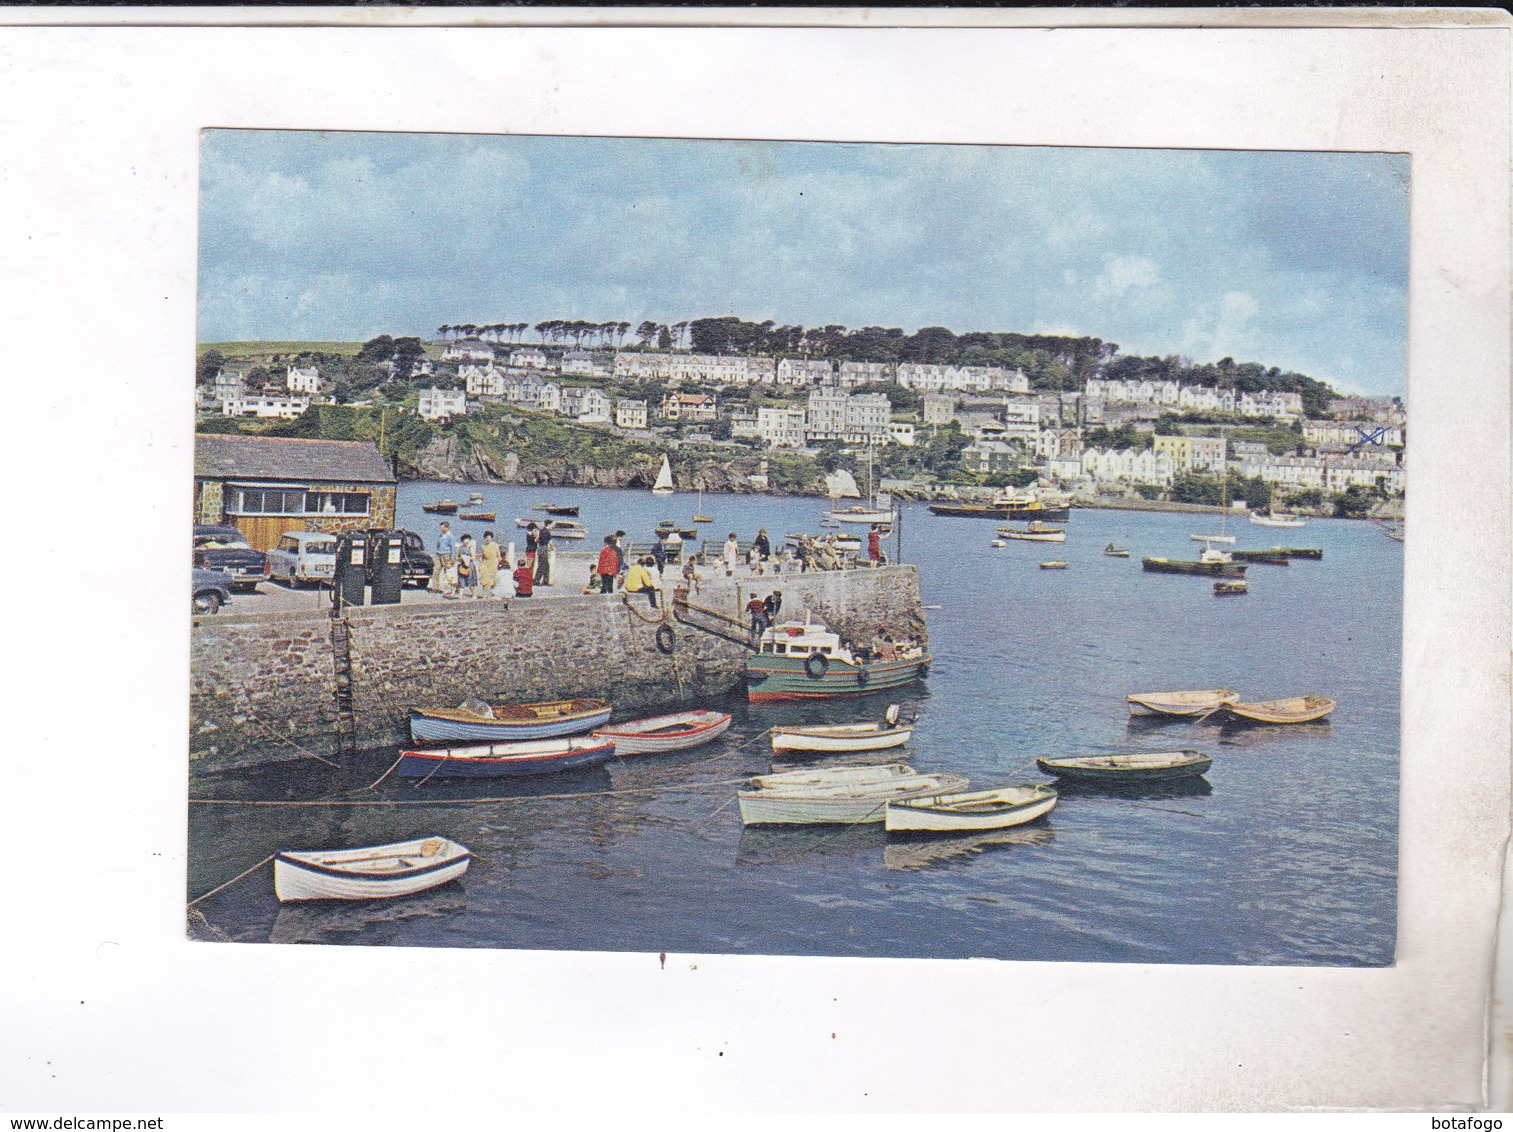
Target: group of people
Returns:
[[764, 610], [613, 563], [460, 567]]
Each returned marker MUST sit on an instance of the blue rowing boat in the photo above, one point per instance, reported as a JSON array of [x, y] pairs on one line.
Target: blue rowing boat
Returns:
[[507, 722]]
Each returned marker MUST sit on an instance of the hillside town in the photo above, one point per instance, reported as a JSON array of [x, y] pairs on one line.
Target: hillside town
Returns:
[[1145, 439]]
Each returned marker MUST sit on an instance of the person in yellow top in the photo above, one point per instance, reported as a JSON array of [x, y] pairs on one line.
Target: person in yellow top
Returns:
[[640, 579], [488, 565]]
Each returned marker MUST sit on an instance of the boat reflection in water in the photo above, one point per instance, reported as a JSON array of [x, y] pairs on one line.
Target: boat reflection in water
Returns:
[[1248, 734], [1191, 787], [909, 854], [323, 921], [778, 844]]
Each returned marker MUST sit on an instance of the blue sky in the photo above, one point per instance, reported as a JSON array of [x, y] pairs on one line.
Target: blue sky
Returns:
[[1297, 260]]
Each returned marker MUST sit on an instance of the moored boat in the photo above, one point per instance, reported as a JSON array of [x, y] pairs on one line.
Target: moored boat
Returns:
[[1291, 709], [1138, 766], [1231, 586], [844, 736], [852, 805], [1273, 519], [1035, 531], [364, 874], [675, 732], [664, 485], [878, 515], [1275, 556], [441, 507], [1116, 551], [1180, 703], [802, 660], [494, 760], [1005, 506], [508, 721], [1312, 552], [570, 512], [475, 499], [476, 516], [1055, 564], [998, 808], [834, 777], [561, 528], [1227, 540], [1176, 566]]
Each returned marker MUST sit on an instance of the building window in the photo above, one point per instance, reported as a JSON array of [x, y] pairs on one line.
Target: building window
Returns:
[[266, 501], [336, 503]]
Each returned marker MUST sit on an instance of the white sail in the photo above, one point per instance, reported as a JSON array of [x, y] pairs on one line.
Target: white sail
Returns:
[[841, 484], [663, 486]]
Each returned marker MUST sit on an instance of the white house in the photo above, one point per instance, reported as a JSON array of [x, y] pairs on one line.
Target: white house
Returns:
[[630, 414], [468, 350], [483, 381], [1270, 403], [1352, 432], [282, 408], [781, 427], [434, 404], [805, 371], [901, 432], [303, 380], [1131, 465], [835, 414], [528, 357], [853, 374], [579, 363]]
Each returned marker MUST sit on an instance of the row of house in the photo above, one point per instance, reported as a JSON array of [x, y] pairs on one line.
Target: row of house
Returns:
[[1178, 397]]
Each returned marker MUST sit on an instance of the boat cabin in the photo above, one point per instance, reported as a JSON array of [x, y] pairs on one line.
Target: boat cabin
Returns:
[[803, 639]]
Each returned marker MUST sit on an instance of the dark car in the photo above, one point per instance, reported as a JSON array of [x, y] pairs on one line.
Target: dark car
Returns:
[[226, 549], [416, 561], [208, 591]]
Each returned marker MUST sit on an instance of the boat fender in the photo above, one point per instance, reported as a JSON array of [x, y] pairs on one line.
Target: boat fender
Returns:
[[816, 664], [665, 639], [863, 675], [924, 670]]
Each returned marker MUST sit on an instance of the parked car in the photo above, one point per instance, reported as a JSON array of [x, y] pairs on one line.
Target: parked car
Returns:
[[226, 549], [304, 557], [208, 591], [416, 560]]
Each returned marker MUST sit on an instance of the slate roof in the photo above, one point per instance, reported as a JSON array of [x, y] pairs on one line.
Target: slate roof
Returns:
[[226, 457]]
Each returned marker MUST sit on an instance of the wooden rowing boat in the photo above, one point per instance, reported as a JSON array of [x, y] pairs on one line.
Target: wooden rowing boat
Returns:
[[1139, 766], [977, 809], [1053, 565], [494, 760], [363, 874], [476, 516], [1291, 709], [441, 507], [833, 777], [506, 722], [841, 737], [1116, 551], [854, 804], [1180, 703], [660, 733]]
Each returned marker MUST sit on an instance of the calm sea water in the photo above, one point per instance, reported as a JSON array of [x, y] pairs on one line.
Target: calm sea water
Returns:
[[1285, 853]]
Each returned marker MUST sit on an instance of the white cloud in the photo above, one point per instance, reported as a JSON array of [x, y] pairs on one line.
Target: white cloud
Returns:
[[1120, 273]]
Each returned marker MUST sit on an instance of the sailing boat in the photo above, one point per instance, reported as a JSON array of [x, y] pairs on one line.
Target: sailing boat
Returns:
[[699, 516], [878, 510], [663, 486]]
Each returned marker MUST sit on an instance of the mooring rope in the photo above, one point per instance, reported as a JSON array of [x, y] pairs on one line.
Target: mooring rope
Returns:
[[232, 881], [457, 801]]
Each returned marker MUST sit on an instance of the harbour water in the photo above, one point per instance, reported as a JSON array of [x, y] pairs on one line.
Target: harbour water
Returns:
[[1285, 853]]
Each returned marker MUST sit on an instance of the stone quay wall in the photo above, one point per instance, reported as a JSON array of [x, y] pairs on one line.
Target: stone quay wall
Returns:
[[262, 686]]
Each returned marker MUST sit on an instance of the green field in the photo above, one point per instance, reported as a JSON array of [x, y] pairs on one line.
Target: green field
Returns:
[[236, 349]]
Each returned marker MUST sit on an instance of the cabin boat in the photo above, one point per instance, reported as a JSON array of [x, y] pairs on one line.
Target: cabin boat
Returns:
[[1231, 586], [1272, 519], [1008, 505], [1292, 709], [1213, 567], [1185, 704], [663, 486], [508, 721], [1140, 766], [494, 760], [1035, 531], [998, 808], [676, 732], [377, 871], [844, 736], [803, 660], [853, 804]]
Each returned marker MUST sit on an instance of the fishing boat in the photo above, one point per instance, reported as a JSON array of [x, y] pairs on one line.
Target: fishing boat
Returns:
[[844, 736], [1292, 709], [802, 660], [1140, 766], [1113, 551], [1211, 567], [1311, 552], [1272, 519], [998, 808], [1231, 586], [1054, 564], [659, 733], [476, 516], [1228, 540], [441, 507], [663, 486], [855, 804], [507, 721], [364, 874], [1184, 704], [495, 760], [1008, 505], [1035, 531], [1276, 556], [833, 776]]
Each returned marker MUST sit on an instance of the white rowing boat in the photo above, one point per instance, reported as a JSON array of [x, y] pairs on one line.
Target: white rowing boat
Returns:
[[1180, 703], [841, 737], [362, 874], [833, 776], [977, 809], [665, 732], [850, 805]]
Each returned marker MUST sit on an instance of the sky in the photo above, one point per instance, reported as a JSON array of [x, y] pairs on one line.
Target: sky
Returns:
[[1295, 260]]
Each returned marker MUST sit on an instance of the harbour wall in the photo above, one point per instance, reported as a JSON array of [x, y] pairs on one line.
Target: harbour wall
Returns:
[[262, 686]]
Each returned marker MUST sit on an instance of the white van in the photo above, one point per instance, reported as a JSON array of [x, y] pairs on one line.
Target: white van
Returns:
[[304, 557]]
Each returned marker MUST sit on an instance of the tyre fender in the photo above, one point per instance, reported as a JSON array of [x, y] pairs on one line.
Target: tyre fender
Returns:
[[665, 639], [864, 675], [816, 664]]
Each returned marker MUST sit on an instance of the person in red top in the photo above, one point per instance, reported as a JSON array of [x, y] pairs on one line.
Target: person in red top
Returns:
[[874, 547], [609, 565], [523, 579]]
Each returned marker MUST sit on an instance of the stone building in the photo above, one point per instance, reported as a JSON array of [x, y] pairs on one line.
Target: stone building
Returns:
[[265, 486]]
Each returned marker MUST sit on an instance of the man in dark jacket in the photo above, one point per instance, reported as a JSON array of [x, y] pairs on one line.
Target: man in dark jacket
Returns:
[[543, 544]]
